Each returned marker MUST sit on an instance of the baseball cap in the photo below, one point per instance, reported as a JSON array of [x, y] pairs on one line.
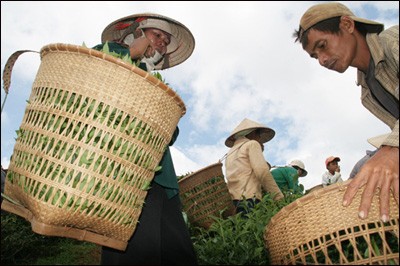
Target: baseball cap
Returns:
[[331, 159], [320, 12]]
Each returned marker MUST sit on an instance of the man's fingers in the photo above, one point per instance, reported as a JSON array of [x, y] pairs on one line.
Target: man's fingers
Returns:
[[395, 191], [351, 191], [366, 200], [385, 201]]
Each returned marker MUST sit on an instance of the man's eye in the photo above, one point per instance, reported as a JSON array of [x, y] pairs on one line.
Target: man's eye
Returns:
[[321, 45]]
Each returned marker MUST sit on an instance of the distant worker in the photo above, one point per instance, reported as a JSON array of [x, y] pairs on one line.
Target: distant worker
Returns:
[[247, 171], [287, 177], [333, 174]]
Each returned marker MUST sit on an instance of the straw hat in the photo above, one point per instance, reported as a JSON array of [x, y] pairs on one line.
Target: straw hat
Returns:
[[320, 12], [182, 41], [247, 126], [331, 159], [378, 140], [300, 165]]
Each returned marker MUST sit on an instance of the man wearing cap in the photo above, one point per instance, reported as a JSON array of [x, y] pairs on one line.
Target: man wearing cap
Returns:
[[161, 237], [287, 177], [332, 34], [247, 171], [333, 174]]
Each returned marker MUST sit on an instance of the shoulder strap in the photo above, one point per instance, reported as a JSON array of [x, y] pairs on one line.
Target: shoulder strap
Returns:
[[229, 153]]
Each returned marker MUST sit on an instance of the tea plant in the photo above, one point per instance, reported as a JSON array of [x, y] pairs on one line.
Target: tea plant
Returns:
[[238, 240]]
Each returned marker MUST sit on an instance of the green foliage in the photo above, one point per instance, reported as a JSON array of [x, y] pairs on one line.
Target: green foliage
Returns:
[[20, 245], [238, 240], [123, 57], [184, 175], [159, 76]]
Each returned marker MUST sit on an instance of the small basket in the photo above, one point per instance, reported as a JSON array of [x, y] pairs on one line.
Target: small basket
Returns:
[[317, 229], [94, 131], [205, 193]]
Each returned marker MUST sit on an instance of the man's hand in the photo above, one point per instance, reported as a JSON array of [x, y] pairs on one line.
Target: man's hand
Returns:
[[381, 173], [338, 169], [139, 47]]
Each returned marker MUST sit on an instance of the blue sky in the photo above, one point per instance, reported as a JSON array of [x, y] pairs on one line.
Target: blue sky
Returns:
[[245, 65]]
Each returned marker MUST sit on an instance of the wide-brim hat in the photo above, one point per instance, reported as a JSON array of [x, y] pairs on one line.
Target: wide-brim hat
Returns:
[[300, 165], [320, 12], [182, 41], [378, 140], [248, 125]]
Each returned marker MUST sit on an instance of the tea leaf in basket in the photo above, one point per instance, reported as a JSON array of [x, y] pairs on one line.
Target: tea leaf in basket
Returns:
[[146, 185], [375, 246]]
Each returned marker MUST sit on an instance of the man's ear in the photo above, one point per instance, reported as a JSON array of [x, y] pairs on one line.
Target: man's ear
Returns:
[[347, 24]]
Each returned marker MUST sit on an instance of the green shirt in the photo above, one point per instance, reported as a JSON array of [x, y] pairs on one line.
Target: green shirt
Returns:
[[166, 177], [287, 178]]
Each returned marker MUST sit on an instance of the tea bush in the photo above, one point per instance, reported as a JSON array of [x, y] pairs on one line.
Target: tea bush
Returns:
[[21, 246], [238, 240]]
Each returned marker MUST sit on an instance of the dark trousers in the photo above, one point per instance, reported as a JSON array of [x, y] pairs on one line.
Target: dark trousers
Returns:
[[245, 206], [161, 236]]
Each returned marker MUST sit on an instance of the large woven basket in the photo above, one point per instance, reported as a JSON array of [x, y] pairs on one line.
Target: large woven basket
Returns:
[[317, 229], [204, 194], [93, 133]]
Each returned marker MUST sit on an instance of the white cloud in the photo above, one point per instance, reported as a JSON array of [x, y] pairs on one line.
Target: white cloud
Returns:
[[5, 162]]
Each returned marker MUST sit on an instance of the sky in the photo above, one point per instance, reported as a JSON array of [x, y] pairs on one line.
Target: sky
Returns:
[[245, 64]]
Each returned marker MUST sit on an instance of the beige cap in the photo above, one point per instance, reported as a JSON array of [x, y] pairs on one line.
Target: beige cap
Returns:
[[320, 12], [300, 165], [378, 140], [182, 41], [247, 126]]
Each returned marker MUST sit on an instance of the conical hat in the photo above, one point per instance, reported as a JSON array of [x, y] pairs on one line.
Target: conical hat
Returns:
[[182, 41], [248, 125]]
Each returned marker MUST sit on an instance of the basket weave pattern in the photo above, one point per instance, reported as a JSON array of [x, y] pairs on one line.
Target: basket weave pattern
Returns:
[[317, 229], [205, 193], [93, 133]]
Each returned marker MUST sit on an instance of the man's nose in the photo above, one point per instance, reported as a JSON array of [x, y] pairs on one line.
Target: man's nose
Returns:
[[322, 59]]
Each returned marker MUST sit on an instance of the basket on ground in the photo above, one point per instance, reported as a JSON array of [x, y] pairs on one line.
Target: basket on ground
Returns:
[[93, 133], [317, 229], [204, 193]]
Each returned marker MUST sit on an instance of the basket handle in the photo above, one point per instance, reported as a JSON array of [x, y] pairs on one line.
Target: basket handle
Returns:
[[7, 71]]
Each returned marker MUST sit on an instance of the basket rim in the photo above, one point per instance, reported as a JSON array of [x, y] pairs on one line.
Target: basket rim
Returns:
[[55, 47], [307, 199], [200, 170], [62, 231]]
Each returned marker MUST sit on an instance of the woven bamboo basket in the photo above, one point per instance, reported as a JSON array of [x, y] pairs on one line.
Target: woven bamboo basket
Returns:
[[93, 133], [204, 193], [317, 229]]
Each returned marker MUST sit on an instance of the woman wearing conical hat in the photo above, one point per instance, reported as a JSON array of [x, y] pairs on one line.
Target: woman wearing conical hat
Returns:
[[247, 171], [161, 237]]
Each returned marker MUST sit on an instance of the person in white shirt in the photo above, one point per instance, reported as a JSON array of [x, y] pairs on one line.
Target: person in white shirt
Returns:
[[333, 174]]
